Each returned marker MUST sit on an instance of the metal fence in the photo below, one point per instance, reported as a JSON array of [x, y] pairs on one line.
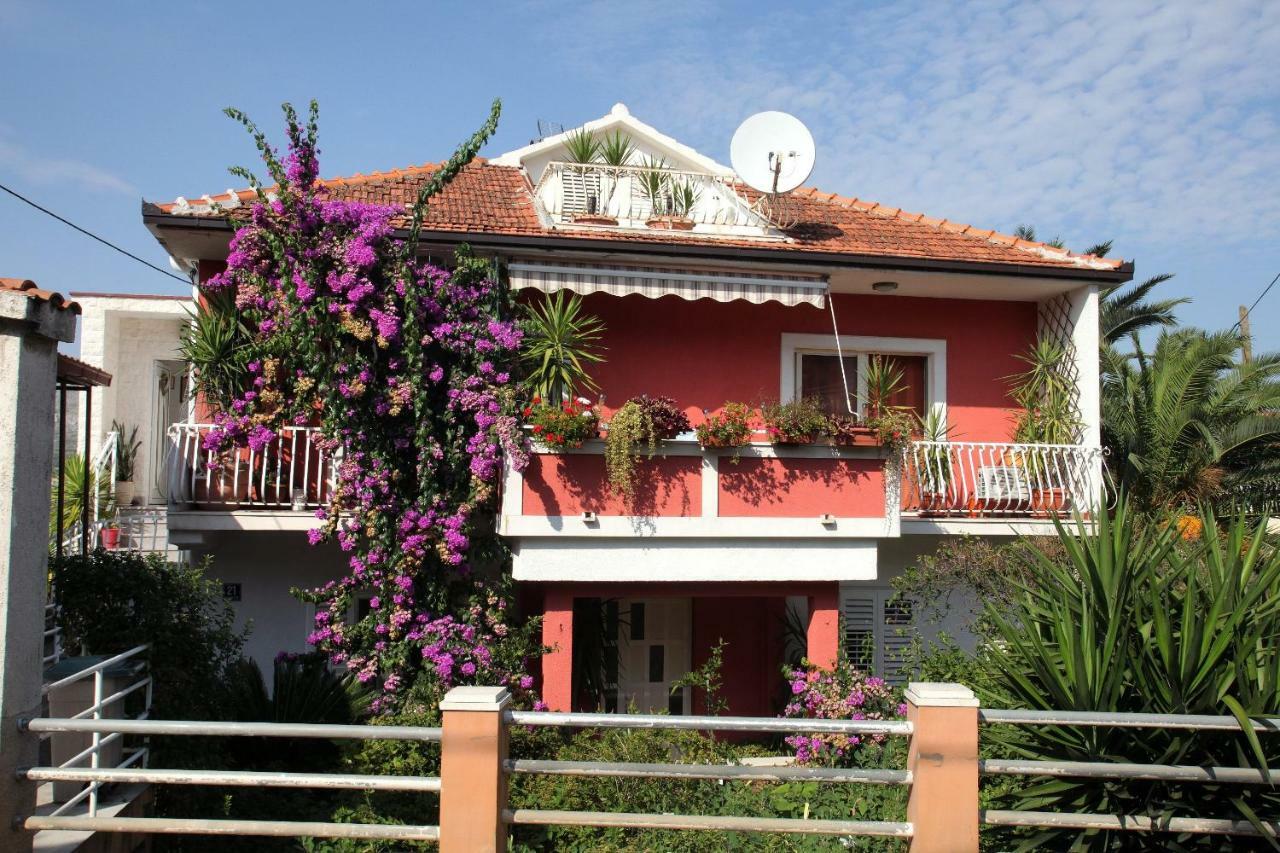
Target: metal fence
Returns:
[[291, 472], [941, 774], [977, 479]]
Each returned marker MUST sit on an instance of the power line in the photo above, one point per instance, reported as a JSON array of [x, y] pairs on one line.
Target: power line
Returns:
[[1265, 291], [88, 233]]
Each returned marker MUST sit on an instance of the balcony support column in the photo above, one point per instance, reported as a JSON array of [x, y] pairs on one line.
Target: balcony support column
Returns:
[[824, 626], [557, 634]]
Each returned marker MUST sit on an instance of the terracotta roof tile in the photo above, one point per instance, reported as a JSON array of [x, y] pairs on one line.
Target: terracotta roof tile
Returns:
[[28, 287], [491, 199]]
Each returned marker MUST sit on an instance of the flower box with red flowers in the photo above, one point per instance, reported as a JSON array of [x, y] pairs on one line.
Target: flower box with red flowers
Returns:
[[561, 425]]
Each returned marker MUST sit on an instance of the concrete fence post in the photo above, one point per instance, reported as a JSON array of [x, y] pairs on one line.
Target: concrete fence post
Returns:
[[473, 784], [943, 760]]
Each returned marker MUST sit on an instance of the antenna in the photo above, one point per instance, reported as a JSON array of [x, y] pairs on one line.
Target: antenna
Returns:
[[773, 153], [547, 128]]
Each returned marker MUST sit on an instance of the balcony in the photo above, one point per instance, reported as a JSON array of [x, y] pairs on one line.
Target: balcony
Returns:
[[652, 198], [988, 480]]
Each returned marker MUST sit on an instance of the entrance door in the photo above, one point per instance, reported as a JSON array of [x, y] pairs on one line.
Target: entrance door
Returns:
[[168, 407], [653, 651]]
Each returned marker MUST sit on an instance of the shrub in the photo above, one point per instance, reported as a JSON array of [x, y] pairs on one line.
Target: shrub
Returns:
[[893, 428], [563, 425], [796, 422], [842, 693]]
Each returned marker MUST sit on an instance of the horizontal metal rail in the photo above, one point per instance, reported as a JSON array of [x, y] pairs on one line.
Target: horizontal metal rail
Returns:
[[1131, 823], [340, 781], [1108, 770], [727, 772], [631, 820], [277, 828], [97, 667], [213, 729], [725, 724], [112, 699], [1108, 719]]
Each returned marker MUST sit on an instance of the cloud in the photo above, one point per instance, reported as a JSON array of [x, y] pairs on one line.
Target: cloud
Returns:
[[1136, 120], [37, 169]]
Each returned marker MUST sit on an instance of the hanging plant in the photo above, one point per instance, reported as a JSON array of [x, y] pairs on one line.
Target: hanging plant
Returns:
[[636, 429]]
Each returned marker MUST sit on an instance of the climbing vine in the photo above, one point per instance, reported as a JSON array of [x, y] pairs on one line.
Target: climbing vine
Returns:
[[406, 368]]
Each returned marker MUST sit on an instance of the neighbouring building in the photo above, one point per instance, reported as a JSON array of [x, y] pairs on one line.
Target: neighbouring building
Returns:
[[757, 299]]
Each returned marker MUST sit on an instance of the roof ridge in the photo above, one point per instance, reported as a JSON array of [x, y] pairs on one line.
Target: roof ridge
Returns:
[[987, 234], [32, 290]]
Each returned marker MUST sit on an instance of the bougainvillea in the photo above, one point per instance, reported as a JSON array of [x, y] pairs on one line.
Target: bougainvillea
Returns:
[[406, 368], [842, 693]]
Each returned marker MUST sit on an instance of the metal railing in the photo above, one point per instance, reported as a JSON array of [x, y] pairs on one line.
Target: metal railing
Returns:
[[634, 195], [978, 479], [291, 472], [53, 648], [1126, 771], [100, 706], [145, 530], [114, 728]]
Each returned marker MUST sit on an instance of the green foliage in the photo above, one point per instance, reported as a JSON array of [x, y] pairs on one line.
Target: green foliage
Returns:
[[581, 146], [464, 154], [795, 422], [637, 428], [893, 427], [730, 428], [560, 342], [707, 678], [303, 690], [1187, 422], [216, 345], [653, 180], [884, 379], [127, 446], [1133, 618], [617, 149], [80, 487], [1127, 310], [684, 197], [1046, 393]]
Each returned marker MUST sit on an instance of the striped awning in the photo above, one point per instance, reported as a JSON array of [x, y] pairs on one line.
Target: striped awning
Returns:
[[654, 282]]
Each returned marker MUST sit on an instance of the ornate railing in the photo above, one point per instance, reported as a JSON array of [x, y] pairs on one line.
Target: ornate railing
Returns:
[[291, 472], [973, 479], [647, 196]]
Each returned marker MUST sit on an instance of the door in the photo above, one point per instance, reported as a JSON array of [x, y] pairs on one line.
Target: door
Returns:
[[168, 407], [653, 651]]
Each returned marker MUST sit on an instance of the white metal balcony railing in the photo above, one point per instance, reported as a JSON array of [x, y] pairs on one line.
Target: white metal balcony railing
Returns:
[[987, 479], [633, 195], [292, 472]]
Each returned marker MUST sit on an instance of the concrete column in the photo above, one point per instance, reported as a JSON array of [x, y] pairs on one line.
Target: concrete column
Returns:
[[557, 664], [824, 626], [473, 784], [29, 333], [943, 760]]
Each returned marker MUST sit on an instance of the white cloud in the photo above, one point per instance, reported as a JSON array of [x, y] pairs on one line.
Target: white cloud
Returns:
[[38, 169], [1136, 120]]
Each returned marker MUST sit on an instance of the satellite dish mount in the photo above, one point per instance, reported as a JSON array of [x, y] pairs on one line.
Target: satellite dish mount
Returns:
[[773, 153]]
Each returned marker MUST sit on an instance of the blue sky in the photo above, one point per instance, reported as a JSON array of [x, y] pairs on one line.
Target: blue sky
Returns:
[[1154, 124]]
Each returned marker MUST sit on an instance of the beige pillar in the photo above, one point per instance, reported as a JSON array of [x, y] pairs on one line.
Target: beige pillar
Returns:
[[473, 784], [30, 328], [943, 760]]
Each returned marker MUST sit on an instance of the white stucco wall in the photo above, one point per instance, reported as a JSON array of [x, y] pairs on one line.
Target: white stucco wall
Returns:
[[267, 566], [125, 336]]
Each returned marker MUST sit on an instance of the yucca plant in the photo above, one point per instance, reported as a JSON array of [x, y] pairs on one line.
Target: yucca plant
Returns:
[[653, 182], [560, 342], [80, 487], [883, 380], [215, 344], [684, 197], [581, 146], [617, 149], [1137, 619]]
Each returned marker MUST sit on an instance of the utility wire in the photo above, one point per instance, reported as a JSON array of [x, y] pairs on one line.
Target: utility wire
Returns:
[[87, 233], [1265, 291]]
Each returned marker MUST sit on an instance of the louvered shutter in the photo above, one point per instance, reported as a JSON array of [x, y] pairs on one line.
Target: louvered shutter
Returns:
[[878, 630], [898, 621], [860, 642]]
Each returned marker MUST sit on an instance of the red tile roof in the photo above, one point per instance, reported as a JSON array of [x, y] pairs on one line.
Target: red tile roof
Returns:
[[491, 199], [29, 288], [73, 371]]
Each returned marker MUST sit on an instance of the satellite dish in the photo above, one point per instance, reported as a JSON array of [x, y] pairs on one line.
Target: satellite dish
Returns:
[[772, 152]]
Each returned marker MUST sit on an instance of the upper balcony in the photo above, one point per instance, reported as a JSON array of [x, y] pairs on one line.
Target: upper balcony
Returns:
[[654, 198]]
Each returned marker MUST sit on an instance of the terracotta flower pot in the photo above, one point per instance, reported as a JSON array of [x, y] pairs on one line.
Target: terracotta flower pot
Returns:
[[594, 219], [1048, 502], [670, 223]]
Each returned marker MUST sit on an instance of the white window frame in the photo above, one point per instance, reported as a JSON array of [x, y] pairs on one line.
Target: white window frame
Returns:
[[934, 351]]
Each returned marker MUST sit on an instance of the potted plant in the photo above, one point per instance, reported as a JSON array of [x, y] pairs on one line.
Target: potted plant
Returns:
[[797, 422], [849, 430], [671, 208], [560, 342], [1045, 394], [561, 425], [730, 428], [127, 446], [110, 536], [582, 147], [637, 428], [934, 461], [883, 381]]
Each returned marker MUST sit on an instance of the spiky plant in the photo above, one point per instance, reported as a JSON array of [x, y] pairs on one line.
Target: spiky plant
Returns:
[[581, 146], [617, 149], [561, 342]]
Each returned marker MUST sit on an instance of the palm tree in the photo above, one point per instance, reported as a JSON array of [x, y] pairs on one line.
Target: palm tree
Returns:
[[1126, 310], [1187, 422]]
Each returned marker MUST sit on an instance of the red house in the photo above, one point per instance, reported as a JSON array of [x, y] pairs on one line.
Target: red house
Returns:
[[776, 549]]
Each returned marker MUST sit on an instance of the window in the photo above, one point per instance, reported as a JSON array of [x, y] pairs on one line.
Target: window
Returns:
[[811, 367], [878, 628]]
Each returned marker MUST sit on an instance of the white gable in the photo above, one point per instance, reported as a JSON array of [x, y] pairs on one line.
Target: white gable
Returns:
[[649, 142]]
